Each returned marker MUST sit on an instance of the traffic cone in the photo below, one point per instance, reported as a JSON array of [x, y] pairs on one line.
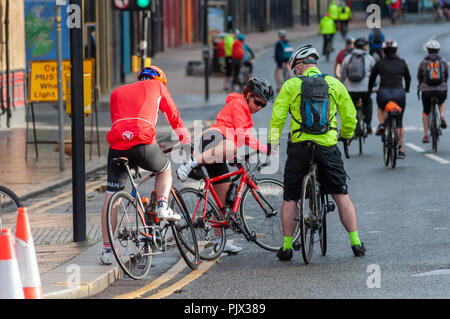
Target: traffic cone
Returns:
[[26, 257], [10, 285]]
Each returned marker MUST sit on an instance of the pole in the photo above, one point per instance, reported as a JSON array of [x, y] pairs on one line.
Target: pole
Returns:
[[8, 93], [318, 11], [78, 143], [62, 165], [206, 48], [144, 42]]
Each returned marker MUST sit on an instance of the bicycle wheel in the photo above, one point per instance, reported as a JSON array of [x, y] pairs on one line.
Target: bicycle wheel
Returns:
[[184, 232], [394, 143], [434, 130], [360, 129], [322, 229], [386, 139], [131, 248], [9, 202], [211, 239], [306, 218], [260, 212]]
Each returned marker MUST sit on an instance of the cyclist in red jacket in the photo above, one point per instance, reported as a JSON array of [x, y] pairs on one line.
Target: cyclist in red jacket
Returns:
[[134, 112]]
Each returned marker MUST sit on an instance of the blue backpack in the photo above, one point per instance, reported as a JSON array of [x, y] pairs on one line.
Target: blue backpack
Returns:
[[287, 50], [314, 105]]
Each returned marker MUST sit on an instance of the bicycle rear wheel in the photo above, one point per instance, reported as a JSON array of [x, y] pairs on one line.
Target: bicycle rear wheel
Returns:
[[211, 239], [184, 232], [126, 226], [9, 202], [387, 141], [360, 129], [394, 144], [260, 211], [434, 130], [306, 218]]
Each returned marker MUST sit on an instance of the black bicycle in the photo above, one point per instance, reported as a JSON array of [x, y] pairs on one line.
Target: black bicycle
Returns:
[[313, 207], [135, 232], [390, 137], [9, 202]]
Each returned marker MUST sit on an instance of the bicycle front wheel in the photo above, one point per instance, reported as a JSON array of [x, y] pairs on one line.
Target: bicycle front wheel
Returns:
[[307, 218], [9, 202], [126, 226], [184, 232], [261, 212], [210, 236]]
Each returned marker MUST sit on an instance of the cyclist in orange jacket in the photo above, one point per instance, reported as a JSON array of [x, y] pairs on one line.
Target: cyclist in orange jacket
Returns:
[[231, 131]]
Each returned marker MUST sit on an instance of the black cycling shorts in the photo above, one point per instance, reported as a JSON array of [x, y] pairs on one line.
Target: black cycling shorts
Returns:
[[148, 157], [441, 96], [396, 95], [332, 176], [211, 139]]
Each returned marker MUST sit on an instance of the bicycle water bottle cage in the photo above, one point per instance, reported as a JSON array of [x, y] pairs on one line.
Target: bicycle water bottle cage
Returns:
[[393, 107]]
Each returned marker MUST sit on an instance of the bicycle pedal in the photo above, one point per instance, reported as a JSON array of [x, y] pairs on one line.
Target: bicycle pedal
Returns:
[[296, 245]]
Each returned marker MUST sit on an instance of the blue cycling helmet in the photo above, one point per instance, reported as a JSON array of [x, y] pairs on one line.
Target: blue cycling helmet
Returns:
[[241, 37], [152, 72]]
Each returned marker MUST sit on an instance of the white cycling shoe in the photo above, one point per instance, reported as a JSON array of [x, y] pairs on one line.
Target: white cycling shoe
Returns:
[[164, 212], [229, 248], [105, 258]]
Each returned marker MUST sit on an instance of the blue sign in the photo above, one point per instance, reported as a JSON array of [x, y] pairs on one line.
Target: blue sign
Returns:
[[40, 30]]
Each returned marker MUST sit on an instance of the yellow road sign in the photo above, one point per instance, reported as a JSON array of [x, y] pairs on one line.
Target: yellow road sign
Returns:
[[43, 79]]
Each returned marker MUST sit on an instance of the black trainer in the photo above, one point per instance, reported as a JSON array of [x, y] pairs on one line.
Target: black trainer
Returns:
[[284, 255], [359, 250]]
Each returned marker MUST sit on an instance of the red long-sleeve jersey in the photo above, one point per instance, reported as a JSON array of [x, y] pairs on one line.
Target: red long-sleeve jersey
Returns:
[[134, 113]]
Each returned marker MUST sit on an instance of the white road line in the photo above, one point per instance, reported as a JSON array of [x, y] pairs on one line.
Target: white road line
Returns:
[[415, 147], [374, 231], [433, 273], [437, 158]]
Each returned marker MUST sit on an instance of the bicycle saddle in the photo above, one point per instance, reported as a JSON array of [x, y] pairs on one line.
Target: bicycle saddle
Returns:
[[120, 161], [393, 107]]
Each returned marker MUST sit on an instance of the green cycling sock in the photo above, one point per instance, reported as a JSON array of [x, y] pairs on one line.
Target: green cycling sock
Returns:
[[354, 238], [287, 244]]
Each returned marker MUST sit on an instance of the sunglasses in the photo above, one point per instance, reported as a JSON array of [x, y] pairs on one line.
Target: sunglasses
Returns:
[[258, 103]]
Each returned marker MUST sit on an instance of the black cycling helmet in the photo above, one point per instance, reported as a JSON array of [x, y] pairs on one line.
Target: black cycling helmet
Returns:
[[261, 88], [390, 47], [360, 43]]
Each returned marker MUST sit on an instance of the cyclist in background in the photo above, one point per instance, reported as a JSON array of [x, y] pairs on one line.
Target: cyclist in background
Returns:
[[134, 112], [345, 15], [248, 57], [433, 77], [228, 42], [231, 131], [283, 51], [333, 11], [237, 56], [355, 74], [327, 29], [341, 55], [392, 70], [332, 175], [376, 39]]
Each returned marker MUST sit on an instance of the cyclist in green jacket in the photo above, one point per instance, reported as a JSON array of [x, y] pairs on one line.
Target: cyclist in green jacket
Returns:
[[328, 157], [327, 29], [333, 10]]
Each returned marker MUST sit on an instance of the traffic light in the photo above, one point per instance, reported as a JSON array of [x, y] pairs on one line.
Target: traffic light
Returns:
[[132, 5]]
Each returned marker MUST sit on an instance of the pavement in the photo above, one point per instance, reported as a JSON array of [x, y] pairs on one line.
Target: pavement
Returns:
[[69, 269]]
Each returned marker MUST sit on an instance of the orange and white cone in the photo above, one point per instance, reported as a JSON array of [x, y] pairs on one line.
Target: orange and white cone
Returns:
[[26, 257], [10, 285]]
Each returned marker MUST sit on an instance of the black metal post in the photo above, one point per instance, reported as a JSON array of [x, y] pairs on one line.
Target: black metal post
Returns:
[[8, 92], [206, 48], [78, 142]]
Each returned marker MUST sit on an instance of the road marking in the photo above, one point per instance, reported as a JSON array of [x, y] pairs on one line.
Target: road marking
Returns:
[[415, 147], [370, 212], [437, 158], [434, 273], [440, 228], [374, 231], [204, 266], [168, 275]]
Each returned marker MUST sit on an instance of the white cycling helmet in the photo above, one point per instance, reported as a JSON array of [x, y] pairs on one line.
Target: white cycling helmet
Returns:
[[433, 45], [302, 53]]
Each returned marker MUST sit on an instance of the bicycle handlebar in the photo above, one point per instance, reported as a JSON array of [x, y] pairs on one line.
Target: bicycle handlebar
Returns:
[[345, 143]]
